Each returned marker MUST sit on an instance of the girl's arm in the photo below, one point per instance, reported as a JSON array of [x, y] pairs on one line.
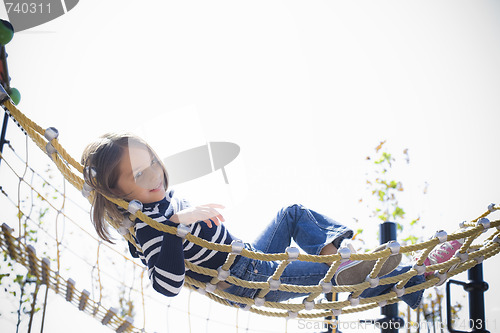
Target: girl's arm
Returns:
[[164, 256], [186, 214], [206, 213]]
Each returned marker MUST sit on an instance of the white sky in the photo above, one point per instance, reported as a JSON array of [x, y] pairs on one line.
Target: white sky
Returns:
[[306, 89]]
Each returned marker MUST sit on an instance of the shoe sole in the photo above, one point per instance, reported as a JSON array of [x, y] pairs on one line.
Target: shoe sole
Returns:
[[357, 271]]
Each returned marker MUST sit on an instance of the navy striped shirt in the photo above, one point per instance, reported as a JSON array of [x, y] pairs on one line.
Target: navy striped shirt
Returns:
[[164, 253]]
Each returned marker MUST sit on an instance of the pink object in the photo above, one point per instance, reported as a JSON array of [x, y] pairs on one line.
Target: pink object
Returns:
[[442, 253], [345, 263]]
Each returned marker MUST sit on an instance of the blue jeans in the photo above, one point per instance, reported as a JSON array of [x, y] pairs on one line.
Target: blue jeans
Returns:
[[311, 231]]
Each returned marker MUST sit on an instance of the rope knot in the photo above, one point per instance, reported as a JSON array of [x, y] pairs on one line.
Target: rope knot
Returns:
[[182, 230], [237, 246], [51, 133], [484, 222], [308, 305], [293, 253], [134, 206], [441, 235], [273, 284]]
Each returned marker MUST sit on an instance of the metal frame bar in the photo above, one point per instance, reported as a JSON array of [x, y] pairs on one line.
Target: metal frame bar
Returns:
[[476, 288]]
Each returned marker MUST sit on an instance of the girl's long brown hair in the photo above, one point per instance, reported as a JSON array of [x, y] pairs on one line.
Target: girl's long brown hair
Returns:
[[104, 155]]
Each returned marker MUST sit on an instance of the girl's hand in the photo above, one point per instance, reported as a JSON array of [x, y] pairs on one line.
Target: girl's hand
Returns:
[[206, 213]]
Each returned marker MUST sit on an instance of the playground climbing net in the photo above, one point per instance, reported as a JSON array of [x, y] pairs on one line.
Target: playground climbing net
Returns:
[[469, 255]]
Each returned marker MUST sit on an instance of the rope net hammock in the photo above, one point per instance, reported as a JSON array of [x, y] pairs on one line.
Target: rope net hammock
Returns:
[[467, 257]]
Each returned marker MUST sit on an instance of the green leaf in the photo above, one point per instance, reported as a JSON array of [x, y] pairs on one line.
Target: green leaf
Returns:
[[2, 276], [412, 239], [398, 212], [19, 278]]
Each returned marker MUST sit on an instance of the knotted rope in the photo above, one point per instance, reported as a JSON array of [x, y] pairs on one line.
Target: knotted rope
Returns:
[[468, 256]]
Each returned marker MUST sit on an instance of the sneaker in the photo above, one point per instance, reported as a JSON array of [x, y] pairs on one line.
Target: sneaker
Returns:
[[354, 272], [442, 253]]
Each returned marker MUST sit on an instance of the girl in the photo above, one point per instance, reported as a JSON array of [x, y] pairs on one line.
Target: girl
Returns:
[[124, 166]]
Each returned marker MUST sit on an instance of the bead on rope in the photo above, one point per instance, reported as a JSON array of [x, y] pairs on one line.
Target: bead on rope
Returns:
[[491, 207], [326, 286], [237, 246], [86, 190], [273, 284], [479, 260], [373, 282], [336, 312], [382, 303], [462, 224], [201, 291], [293, 253], [51, 133], [345, 253], [394, 247], [91, 172], [247, 307], [259, 301], [292, 315], [399, 292], [419, 268], [442, 278], [308, 305], [353, 300], [209, 287], [496, 239], [222, 274], [483, 222], [462, 256], [134, 206], [182, 230], [442, 236], [49, 148]]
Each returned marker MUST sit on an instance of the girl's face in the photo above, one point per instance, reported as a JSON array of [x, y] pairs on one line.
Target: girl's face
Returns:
[[140, 175]]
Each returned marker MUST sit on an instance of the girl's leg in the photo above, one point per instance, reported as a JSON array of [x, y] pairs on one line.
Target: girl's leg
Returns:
[[413, 299], [300, 273], [311, 231], [315, 234], [307, 273]]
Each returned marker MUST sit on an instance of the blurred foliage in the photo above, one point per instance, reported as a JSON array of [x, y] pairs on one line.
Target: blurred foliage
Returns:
[[384, 191]]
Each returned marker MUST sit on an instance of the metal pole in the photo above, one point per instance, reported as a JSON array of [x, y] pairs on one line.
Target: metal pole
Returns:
[[390, 322], [476, 288], [5, 85], [4, 130], [331, 328]]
